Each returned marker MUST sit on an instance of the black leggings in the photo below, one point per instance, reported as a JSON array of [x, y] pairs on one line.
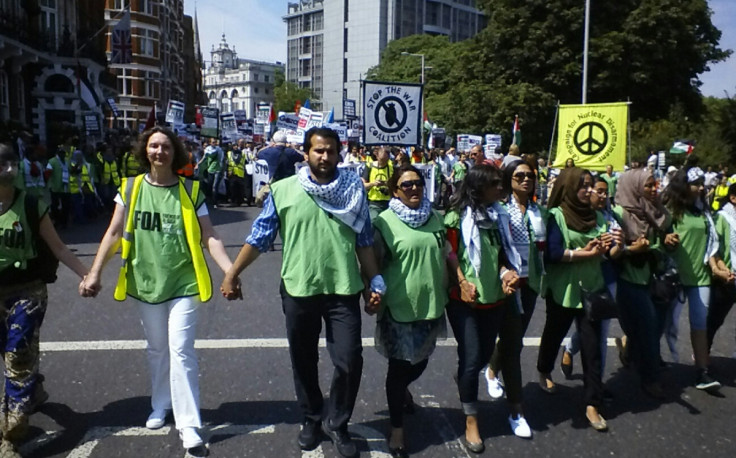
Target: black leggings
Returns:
[[400, 374]]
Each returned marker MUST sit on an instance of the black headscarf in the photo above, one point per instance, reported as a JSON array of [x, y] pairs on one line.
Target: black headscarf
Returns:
[[579, 216]]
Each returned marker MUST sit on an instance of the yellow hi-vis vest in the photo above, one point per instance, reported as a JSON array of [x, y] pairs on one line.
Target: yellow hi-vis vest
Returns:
[[131, 166], [75, 186], [188, 192], [109, 170], [384, 174], [236, 168]]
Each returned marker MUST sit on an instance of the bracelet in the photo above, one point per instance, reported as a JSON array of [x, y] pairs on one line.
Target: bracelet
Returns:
[[504, 273], [569, 255], [461, 281]]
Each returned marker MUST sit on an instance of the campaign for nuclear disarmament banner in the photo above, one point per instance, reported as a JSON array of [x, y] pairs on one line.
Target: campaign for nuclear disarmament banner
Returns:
[[392, 113], [592, 135]]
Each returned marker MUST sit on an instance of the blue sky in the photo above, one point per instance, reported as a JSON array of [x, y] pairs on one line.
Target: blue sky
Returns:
[[256, 29]]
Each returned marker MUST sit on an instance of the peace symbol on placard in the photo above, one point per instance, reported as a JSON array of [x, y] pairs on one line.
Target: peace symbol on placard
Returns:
[[590, 138], [391, 114]]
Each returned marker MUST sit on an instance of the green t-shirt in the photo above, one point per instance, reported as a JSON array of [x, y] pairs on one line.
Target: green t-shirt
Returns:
[[724, 238], [565, 280], [611, 181], [413, 267], [460, 170], [690, 252], [16, 246], [486, 281], [160, 266], [633, 268], [213, 160]]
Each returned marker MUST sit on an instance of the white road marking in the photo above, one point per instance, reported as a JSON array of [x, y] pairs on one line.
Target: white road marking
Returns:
[[222, 344]]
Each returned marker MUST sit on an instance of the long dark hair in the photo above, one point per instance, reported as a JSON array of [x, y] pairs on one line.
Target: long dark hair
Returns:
[[508, 176], [470, 193], [677, 193], [393, 182], [727, 198]]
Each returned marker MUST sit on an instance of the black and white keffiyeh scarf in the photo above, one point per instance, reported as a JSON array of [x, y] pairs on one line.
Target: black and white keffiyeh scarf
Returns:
[[344, 197], [472, 221], [414, 218]]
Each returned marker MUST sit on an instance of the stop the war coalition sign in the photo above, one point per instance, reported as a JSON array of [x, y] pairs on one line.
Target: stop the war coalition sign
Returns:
[[392, 113]]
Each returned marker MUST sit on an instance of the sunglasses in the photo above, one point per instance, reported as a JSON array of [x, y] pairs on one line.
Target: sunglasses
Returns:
[[521, 176], [409, 184]]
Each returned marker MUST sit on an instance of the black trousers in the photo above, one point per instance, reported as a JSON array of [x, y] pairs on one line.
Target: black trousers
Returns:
[[398, 378], [556, 326], [475, 331], [341, 315], [722, 298], [61, 207], [236, 190]]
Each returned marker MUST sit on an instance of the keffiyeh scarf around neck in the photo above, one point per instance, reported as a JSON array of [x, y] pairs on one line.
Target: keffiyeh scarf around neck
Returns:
[[413, 218], [473, 221], [521, 232], [344, 197], [729, 213]]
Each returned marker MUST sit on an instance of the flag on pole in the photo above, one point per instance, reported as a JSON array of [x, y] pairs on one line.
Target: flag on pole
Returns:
[[307, 104], [516, 132], [271, 115], [330, 116], [151, 121], [427, 125], [680, 147], [121, 41], [297, 106], [592, 135]]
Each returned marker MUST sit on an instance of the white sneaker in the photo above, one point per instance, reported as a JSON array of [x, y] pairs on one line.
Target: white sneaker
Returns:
[[157, 419], [190, 438], [520, 427], [495, 388]]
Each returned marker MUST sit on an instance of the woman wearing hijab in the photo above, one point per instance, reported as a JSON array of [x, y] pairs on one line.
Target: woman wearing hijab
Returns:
[[693, 245], [528, 233], [478, 231], [644, 221], [723, 290], [576, 242], [410, 243]]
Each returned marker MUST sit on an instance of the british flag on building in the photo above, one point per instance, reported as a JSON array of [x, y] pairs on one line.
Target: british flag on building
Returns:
[[121, 45]]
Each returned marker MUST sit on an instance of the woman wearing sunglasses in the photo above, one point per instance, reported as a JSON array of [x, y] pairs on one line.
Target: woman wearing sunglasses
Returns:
[[528, 235], [478, 231], [410, 243]]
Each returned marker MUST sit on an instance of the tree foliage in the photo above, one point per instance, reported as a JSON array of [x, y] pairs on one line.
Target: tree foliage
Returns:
[[286, 94], [531, 53]]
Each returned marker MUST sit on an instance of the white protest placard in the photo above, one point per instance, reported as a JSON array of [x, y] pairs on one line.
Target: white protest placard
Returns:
[[260, 175], [342, 131], [392, 114], [316, 119], [475, 140], [493, 141], [427, 171], [263, 113], [287, 121], [175, 113], [229, 126], [210, 122], [463, 145], [357, 167]]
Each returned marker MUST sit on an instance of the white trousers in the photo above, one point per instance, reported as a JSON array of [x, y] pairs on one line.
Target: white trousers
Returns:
[[170, 330]]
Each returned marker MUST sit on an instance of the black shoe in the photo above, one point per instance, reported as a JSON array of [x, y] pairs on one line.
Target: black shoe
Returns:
[[475, 447], [398, 452], [566, 368], [343, 443], [310, 435], [706, 382]]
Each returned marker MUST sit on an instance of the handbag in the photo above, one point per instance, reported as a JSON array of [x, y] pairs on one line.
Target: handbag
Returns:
[[598, 305], [665, 285]]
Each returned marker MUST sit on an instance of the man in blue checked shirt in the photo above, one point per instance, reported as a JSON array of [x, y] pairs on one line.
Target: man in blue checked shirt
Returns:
[[323, 217]]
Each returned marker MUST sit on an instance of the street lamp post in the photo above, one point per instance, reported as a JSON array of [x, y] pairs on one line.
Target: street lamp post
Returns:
[[405, 53]]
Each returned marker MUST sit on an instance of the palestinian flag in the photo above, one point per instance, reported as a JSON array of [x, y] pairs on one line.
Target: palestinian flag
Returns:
[[680, 147], [516, 132]]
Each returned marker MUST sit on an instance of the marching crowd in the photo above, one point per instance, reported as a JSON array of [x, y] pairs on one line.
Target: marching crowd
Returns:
[[595, 247]]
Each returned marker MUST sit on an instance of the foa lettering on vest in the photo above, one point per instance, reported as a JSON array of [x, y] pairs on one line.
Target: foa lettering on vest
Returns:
[[12, 238]]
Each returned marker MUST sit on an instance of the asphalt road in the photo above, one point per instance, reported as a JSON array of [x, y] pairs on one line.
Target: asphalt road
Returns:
[[96, 373]]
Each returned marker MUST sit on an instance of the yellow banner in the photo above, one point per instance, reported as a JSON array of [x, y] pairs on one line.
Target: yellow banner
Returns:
[[592, 135]]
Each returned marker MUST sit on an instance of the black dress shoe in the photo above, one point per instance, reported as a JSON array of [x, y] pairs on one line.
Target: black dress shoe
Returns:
[[475, 447], [310, 436], [398, 452], [343, 443]]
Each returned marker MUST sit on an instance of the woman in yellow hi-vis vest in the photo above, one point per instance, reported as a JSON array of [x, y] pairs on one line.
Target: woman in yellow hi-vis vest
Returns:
[[161, 221]]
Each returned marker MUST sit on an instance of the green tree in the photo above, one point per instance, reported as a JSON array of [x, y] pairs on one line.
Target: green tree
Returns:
[[286, 93]]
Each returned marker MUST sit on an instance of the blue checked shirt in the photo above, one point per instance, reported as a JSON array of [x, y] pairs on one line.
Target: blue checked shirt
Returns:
[[266, 227]]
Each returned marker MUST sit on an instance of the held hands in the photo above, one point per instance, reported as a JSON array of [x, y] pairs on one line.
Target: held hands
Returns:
[[372, 302], [230, 288], [640, 245], [617, 237], [672, 240], [724, 275], [468, 292], [596, 247], [509, 282], [90, 285]]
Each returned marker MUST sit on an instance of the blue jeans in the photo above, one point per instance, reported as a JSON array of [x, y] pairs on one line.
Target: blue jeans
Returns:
[[698, 299], [641, 320]]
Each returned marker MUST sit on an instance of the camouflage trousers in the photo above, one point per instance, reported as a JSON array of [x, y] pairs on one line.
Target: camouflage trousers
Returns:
[[22, 310]]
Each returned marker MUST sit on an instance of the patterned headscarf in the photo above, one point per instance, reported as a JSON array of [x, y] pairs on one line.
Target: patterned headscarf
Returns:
[[640, 215]]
